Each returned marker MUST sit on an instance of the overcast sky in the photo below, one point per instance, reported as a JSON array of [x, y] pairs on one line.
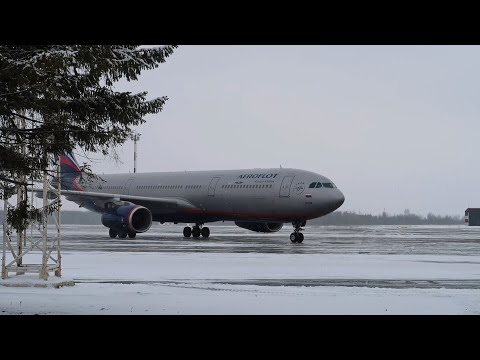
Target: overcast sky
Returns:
[[395, 127]]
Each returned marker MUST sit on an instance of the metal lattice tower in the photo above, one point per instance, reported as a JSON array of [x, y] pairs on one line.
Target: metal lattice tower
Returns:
[[41, 247]]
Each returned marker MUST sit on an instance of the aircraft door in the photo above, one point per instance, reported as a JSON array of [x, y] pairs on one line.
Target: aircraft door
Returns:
[[212, 186], [126, 187], [285, 187]]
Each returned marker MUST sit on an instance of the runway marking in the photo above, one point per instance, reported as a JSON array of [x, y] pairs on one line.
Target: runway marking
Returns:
[[370, 283]]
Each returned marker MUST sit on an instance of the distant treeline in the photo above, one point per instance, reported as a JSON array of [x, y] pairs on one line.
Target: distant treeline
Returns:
[[336, 218], [73, 217], [352, 218]]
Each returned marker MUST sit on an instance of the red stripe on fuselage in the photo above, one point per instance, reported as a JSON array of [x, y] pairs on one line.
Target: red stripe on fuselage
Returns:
[[234, 214]]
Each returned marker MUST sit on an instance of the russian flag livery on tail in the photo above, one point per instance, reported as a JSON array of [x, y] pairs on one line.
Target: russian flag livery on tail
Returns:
[[70, 172], [260, 200]]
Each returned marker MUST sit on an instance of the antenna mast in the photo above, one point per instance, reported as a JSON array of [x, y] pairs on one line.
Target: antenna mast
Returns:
[[135, 137]]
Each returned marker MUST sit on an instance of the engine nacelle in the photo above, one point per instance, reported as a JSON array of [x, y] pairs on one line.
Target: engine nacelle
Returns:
[[265, 227], [132, 218]]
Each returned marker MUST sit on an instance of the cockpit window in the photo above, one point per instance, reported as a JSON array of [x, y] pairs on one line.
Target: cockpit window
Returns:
[[319, 185]]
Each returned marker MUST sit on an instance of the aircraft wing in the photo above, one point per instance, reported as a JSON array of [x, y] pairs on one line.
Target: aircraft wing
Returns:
[[159, 205]]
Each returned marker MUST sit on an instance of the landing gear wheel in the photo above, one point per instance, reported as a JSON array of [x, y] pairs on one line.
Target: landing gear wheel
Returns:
[[205, 232], [132, 235], [187, 232], [196, 231], [293, 237], [112, 233], [122, 234], [299, 237]]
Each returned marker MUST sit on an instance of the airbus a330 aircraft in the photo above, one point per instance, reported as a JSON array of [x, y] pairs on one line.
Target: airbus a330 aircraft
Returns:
[[261, 200]]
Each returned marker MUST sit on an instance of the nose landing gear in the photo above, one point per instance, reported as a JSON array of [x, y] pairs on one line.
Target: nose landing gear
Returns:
[[297, 236]]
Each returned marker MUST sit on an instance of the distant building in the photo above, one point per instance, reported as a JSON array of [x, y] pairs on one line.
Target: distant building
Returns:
[[472, 217]]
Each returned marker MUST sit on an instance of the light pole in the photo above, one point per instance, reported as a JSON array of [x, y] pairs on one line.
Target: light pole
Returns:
[[135, 137]]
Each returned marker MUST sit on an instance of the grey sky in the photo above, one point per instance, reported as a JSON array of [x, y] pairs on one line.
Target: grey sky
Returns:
[[395, 127]]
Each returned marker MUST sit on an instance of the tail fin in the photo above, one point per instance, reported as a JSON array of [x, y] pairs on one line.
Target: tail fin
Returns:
[[70, 172]]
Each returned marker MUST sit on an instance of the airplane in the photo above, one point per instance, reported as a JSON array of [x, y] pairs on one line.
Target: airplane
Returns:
[[260, 200]]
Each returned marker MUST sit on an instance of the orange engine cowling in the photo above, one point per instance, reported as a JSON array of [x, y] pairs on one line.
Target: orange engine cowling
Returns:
[[133, 218]]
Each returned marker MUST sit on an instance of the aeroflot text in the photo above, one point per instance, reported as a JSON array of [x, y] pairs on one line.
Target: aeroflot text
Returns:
[[257, 176]]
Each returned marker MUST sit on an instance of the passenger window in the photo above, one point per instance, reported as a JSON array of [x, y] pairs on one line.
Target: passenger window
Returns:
[[312, 185], [319, 185]]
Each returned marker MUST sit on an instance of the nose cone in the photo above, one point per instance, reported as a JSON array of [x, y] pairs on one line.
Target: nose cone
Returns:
[[339, 199]]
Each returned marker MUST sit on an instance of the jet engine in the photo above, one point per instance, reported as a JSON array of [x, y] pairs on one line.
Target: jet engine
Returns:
[[265, 227], [133, 218]]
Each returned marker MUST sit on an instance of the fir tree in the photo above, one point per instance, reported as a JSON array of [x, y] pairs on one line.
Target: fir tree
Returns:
[[60, 97]]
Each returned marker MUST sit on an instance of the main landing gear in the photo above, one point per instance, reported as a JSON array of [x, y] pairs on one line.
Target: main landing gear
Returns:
[[297, 236], [196, 231], [122, 234]]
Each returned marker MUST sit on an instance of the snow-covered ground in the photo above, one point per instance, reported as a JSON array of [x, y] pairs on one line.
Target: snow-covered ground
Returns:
[[211, 282]]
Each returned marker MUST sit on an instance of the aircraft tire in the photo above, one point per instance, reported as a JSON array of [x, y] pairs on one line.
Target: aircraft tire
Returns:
[[293, 237], [122, 234], [112, 233], [187, 231], [196, 231], [205, 232], [299, 237], [132, 235]]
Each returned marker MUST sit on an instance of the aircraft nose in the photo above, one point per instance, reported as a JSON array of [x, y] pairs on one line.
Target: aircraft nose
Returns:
[[339, 200]]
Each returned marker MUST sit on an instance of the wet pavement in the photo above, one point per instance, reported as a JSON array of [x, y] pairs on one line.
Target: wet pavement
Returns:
[[351, 240], [385, 240]]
